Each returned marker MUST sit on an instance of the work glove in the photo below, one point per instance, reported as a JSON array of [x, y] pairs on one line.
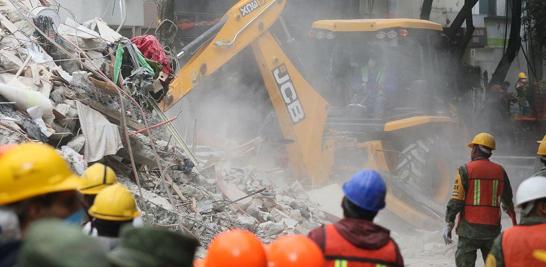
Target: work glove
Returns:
[[447, 233]]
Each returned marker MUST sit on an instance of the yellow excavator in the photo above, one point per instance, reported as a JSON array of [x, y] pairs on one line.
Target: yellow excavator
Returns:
[[330, 130]]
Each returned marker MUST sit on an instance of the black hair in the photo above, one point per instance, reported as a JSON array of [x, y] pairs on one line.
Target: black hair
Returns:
[[351, 210], [108, 228], [476, 150], [20, 207]]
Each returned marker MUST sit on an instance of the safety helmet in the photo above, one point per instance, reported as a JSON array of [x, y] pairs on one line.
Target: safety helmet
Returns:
[[483, 139], [97, 177], [114, 203], [236, 248], [5, 148], [522, 75], [34, 169], [366, 189], [294, 251], [542, 149], [543, 140], [531, 189]]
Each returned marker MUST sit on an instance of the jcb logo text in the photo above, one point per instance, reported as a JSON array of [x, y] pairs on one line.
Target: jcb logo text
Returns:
[[288, 93]]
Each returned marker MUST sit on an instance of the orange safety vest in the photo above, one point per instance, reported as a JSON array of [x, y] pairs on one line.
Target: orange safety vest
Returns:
[[341, 253], [519, 243], [482, 198]]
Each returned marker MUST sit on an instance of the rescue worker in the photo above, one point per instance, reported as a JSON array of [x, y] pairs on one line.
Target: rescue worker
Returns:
[[153, 247], [373, 79], [95, 178], [481, 186], [294, 251], [236, 248], [542, 157], [35, 183], [516, 245], [523, 94], [114, 207], [356, 240], [52, 243]]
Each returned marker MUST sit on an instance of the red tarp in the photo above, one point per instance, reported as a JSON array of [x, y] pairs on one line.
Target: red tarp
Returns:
[[151, 49]]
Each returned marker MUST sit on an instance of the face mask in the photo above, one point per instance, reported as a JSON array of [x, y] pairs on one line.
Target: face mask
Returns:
[[76, 217]]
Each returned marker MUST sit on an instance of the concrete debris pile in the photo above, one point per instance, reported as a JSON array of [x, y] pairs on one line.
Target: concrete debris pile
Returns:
[[91, 93], [223, 198]]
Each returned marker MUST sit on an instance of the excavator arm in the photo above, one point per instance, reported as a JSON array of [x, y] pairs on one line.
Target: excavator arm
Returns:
[[301, 110], [240, 26]]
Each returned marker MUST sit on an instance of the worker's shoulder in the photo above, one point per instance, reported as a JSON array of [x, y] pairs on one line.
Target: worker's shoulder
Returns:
[[318, 235], [499, 165]]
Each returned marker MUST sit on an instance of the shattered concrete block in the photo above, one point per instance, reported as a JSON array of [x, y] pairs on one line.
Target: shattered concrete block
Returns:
[[290, 223], [270, 228], [77, 162], [63, 109], [77, 143], [246, 222]]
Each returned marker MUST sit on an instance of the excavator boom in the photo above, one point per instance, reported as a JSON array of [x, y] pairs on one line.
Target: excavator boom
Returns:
[[300, 109], [242, 24]]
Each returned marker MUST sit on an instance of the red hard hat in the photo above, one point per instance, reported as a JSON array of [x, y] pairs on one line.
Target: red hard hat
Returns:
[[236, 248], [294, 251]]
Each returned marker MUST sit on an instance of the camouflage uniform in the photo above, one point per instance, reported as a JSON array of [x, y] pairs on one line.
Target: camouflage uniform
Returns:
[[495, 258], [153, 247], [473, 237], [53, 243]]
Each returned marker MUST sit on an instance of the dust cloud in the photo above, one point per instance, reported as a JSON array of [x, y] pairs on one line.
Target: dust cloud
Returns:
[[368, 79]]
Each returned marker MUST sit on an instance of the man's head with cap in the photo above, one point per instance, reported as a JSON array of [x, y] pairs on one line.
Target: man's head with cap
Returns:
[[36, 183]]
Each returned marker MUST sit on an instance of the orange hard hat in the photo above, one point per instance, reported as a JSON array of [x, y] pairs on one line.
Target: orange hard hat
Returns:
[[236, 248], [199, 263], [294, 251], [5, 148]]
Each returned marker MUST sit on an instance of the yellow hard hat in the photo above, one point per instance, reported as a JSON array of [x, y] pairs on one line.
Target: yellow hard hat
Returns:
[[484, 139], [114, 203], [97, 177], [542, 149], [522, 75], [34, 169], [542, 141]]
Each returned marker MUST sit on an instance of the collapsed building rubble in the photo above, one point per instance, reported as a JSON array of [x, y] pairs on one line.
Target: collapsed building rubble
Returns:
[[91, 93]]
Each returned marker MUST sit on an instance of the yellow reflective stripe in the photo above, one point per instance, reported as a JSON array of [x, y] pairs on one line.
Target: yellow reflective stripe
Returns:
[[380, 265], [344, 263], [477, 192], [341, 263], [458, 188], [495, 189]]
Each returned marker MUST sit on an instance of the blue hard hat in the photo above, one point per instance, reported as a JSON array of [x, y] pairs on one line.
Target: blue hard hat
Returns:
[[366, 189]]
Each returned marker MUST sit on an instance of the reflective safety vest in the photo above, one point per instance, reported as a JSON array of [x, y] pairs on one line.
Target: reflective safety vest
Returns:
[[341, 253], [484, 190], [519, 243]]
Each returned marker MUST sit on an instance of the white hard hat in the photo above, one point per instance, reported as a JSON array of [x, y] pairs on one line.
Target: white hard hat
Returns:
[[531, 189]]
